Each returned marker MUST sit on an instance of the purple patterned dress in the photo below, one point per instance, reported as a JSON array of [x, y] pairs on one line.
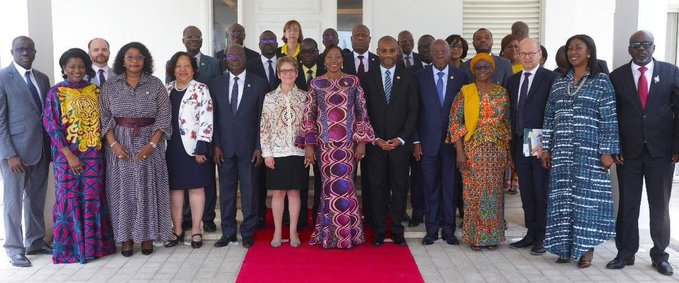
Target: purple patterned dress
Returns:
[[335, 119], [82, 225]]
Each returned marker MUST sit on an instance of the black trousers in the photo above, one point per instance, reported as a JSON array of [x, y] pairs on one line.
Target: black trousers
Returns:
[[234, 171], [657, 172], [388, 182], [416, 193], [534, 182]]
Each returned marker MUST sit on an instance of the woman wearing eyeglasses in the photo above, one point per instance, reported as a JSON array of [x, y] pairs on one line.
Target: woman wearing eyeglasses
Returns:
[[458, 49], [292, 37], [282, 114], [135, 121], [479, 128]]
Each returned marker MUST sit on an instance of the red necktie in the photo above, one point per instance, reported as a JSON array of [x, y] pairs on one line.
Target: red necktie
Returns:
[[361, 67], [642, 87]]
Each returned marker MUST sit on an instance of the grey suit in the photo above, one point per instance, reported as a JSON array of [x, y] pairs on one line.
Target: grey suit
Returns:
[[22, 134], [503, 70]]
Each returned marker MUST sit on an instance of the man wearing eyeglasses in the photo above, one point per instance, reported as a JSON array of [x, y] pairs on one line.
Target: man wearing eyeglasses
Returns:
[[24, 149], [528, 92], [647, 95], [265, 64], [411, 60], [235, 34]]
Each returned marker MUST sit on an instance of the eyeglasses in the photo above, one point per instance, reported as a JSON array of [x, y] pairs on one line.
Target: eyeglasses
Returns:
[[482, 67], [236, 32], [134, 58], [234, 56], [287, 71], [294, 30], [193, 37], [308, 51], [406, 41], [528, 54], [638, 44], [24, 49], [438, 52], [329, 37], [267, 41], [456, 46]]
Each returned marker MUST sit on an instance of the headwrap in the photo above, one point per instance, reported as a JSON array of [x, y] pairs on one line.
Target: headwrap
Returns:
[[481, 56]]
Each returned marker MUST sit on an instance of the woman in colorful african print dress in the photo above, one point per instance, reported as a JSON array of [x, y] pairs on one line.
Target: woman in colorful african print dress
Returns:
[[479, 128], [579, 137], [336, 122], [82, 227]]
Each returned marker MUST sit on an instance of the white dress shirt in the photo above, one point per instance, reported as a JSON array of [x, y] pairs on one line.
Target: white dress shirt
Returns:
[[444, 78], [22, 73], [530, 81], [648, 74], [106, 70], [241, 86], [357, 62], [265, 63]]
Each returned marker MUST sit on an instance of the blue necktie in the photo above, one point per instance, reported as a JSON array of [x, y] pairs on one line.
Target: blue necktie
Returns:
[[439, 86], [234, 96], [523, 93], [102, 79], [34, 90], [272, 75], [387, 85]]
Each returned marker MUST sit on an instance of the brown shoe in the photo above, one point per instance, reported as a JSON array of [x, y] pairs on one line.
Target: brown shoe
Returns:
[[586, 259], [563, 260]]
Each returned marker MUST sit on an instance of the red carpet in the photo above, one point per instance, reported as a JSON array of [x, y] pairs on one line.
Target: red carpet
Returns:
[[365, 263]]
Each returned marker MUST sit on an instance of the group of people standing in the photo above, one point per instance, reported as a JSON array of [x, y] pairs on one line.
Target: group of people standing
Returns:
[[134, 159]]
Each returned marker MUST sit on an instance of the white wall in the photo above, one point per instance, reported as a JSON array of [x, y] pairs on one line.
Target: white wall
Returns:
[[389, 17], [634, 15], [158, 24], [13, 23]]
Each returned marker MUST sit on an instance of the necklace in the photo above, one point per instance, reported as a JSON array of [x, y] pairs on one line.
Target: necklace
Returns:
[[568, 86], [180, 90]]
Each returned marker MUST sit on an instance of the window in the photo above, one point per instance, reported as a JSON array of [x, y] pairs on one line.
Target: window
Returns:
[[349, 14], [225, 13]]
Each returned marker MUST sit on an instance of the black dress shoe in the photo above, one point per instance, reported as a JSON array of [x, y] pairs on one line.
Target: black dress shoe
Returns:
[[427, 241], [619, 263], [187, 224], [405, 218], [452, 240], [19, 261], [248, 242], [45, 250], [225, 241], [663, 267], [209, 226], [415, 221], [398, 239], [523, 243], [538, 249], [379, 240], [260, 223]]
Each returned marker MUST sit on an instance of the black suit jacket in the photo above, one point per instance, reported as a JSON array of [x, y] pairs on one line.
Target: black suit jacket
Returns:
[[536, 99], [350, 68], [658, 125], [238, 134], [398, 118], [249, 55], [257, 67], [417, 63], [300, 82]]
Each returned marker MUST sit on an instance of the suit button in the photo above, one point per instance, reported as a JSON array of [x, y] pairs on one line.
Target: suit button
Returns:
[[643, 116]]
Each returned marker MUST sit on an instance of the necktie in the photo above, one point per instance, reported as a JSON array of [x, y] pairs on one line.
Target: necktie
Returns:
[[361, 67], [102, 79], [439, 86], [234, 96], [523, 92], [642, 87], [408, 64], [34, 90], [387, 85], [309, 76], [272, 75]]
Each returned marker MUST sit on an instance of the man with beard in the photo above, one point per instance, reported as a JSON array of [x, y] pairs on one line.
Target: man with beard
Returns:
[[483, 43], [99, 51]]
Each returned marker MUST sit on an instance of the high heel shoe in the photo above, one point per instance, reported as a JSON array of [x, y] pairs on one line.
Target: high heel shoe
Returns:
[[145, 250], [126, 249], [197, 244], [178, 239]]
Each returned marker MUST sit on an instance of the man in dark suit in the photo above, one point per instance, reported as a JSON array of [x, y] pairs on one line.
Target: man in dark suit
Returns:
[[410, 60], [483, 43], [238, 96], [647, 94], [24, 149], [528, 92], [438, 84], [310, 67], [423, 45], [330, 37], [360, 61], [235, 35], [392, 102]]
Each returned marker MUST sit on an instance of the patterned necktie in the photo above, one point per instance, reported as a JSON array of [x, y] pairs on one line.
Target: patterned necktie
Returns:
[[361, 67], [272, 75], [387, 85], [309, 76], [439, 86], [408, 64], [34, 90], [523, 93], [642, 87], [102, 79], [234, 96]]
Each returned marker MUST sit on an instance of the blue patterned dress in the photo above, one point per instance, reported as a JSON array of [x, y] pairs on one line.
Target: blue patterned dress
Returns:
[[82, 224], [578, 129]]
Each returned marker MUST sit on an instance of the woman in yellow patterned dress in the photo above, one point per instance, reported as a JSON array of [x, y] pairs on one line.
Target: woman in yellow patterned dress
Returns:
[[479, 128], [82, 227]]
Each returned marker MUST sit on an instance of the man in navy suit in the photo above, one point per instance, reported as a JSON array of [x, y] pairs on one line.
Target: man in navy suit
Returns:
[[647, 96], [236, 35], [483, 43], [392, 102], [238, 97], [438, 84], [411, 60], [528, 92]]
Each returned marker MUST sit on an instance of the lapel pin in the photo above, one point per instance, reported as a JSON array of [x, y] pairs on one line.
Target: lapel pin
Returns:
[[398, 77], [202, 64], [656, 79], [345, 83], [452, 77], [372, 59], [248, 85]]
